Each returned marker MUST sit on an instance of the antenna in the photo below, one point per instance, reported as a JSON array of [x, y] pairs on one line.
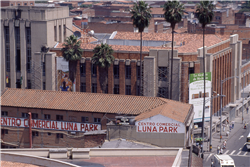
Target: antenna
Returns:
[[77, 34]]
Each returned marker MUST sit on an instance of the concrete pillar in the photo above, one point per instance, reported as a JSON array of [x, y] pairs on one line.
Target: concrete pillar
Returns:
[[149, 76], [122, 76], [3, 68], [176, 94], [12, 54], [50, 71], [23, 53]]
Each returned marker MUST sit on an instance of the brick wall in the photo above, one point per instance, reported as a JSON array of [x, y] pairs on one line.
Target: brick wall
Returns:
[[100, 27]]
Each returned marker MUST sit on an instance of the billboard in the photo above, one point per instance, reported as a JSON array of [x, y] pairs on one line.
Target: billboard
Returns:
[[196, 94]]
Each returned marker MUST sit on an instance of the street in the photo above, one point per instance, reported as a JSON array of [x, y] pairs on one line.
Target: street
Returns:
[[235, 146]]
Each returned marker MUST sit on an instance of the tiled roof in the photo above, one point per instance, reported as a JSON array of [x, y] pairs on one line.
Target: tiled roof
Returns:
[[14, 164], [79, 101], [171, 109]]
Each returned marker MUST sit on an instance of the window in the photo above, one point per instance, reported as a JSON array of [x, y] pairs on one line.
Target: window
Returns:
[[18, 83], [4, 113], [34, 116], [59, 117], [128, 72], [18, 60], [59, 135], [83, 69], [162, 73], [47, 116], [25, 3], [28, 63], [116, 89], [25, 115], [34, 133], [28, 35], [60, 33], [85, 119], [106, 90], [64, 32], [97, 120], [138, 72], [7, 55], [17, 36], [116, 71], [55, 34], [44, 86], [83, 87], [94, 88], [28, 84], [7, 34], [138, 91], [31, 3], [94, 70], [49, 134], [4, 131], [190, 70], [162, 92], [128, 90]]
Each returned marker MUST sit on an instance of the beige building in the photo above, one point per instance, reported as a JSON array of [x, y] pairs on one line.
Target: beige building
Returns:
[[25, 30]]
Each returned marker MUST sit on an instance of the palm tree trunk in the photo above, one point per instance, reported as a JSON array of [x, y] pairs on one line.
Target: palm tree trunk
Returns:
[[172, 56], [204, 96], [140, 82], [72, 70]]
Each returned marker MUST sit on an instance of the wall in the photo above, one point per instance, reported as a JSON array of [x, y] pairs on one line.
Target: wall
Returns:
[[100, 27]]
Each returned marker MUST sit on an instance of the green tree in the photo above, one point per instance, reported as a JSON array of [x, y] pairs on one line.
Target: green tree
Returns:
[[72, 53], [245, 7], [141, 15], [173, 14], [205, 14], [103, 58]]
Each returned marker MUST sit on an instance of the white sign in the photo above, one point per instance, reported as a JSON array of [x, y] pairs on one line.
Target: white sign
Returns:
[[49, 124], [159, 124], [62, 64], [196, 94]]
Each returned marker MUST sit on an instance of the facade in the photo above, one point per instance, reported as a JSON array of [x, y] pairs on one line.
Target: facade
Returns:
[[72, 119], [25, 30], [17, 3]]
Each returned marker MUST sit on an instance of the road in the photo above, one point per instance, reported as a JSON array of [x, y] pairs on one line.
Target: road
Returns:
[[235, 148]]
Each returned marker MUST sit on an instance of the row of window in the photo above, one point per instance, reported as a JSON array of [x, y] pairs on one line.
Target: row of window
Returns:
[[115, 70], [58, 117], [60, 33]]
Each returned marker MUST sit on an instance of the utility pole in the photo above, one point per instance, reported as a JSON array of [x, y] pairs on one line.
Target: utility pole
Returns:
[[243, 96]]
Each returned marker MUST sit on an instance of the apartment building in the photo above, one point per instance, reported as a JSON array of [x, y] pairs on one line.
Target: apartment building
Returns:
[[17, 3], [25, 30]]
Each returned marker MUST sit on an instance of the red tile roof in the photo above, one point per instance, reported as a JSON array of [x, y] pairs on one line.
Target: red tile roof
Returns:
[[15, 164]]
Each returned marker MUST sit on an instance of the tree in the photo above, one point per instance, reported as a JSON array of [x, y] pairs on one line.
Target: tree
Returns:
[[72, 53], [205, 14], [103, 58], [245, 7], [141, 15], [173, 14]]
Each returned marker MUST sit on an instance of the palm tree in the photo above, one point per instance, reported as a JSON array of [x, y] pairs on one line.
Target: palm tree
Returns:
[[141, 15], [205, 15], [103, 58], [72, 53], [173, 14]]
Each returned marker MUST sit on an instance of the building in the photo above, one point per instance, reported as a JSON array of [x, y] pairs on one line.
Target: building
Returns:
[[17, 3], [63, 119], [25, 30]]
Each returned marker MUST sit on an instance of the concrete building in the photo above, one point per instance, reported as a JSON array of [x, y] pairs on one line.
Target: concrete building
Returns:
[[17, 3], [63, 119], [24, 31]]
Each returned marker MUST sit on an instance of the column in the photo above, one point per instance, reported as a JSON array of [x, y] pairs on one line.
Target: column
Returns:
[[12, 54], [23, 53], [50, 78]]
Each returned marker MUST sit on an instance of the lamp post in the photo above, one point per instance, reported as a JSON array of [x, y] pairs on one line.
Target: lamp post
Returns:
[[211, 124], [222, 81]]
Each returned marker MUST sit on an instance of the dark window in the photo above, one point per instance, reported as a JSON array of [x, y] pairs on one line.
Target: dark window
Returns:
[[97, 120], [162, 73], [138, 72], [34, 116], [28, 64], [94, 88], [25, 115], [64, 32], [28, 84], [47, 116], [4, 131], [7, 55], [59, 135], [28, 35], [4, 113], [116, 89], [18, 83], [49, 134], [18, 60], [44, 86], [162, 92], [55, 33], [60, 33], [116, 71], [128, 72], [7, 34], [17, 36], [43, 64], [25, 3], [83, 69], [83, 87], [94, 70], [31, 3], [138, 91], [190, 70], [106, 90], [85, 119], [128, 90], [34, 133], [18, 4], [59, 117]]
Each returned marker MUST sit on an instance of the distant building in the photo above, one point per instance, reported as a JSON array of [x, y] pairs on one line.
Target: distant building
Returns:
[[17, 3]]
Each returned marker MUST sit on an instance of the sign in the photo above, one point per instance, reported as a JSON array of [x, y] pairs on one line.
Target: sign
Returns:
[[62, 64], [159, 124], [196, 94], [49, 124]]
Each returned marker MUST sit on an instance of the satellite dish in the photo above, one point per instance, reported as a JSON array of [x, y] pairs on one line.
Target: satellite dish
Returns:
[[91, 32], [77, 34]]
